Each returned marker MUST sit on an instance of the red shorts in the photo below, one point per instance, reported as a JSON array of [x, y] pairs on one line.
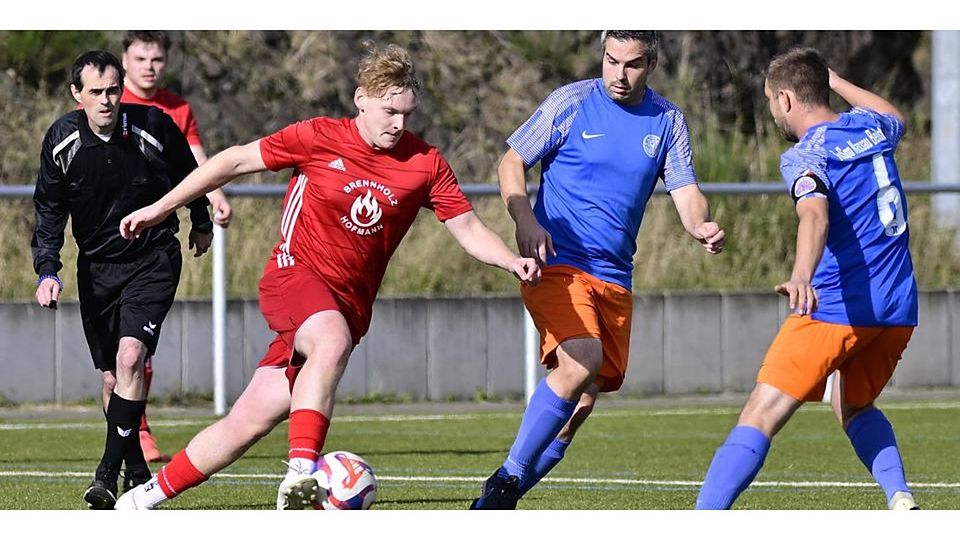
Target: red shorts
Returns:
[[570, 303], [278, 357], [806, 351], [288, 297]]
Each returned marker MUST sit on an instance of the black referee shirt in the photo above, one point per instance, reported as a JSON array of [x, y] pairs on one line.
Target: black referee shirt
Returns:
[[97, 183]]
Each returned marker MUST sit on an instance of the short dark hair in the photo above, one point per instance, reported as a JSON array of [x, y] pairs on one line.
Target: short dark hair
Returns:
[[147, 36], [98, 59], [803, 70], [647, 37]]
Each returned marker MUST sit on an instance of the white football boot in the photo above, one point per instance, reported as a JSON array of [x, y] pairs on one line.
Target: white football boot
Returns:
[[127, 502], [298, 490], [901, 500], [146, 496]]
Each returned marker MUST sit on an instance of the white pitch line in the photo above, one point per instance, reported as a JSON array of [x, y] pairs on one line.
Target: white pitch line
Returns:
[[548, 480], [951, 405]]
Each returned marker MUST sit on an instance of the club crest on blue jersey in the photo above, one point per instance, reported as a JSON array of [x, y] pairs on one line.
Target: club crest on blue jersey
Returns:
[[650, 145], [804, 185]]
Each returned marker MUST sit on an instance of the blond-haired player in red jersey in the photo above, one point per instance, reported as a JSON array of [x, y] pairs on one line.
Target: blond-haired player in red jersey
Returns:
[[357, 186], [145, 63]]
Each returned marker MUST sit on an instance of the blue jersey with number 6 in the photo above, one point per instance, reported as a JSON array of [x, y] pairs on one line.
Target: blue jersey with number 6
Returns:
[[865, 277]]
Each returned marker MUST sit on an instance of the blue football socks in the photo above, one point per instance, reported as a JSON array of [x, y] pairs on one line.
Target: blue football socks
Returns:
[[548, 460], [545, 416], [872, 437], [734, 466]]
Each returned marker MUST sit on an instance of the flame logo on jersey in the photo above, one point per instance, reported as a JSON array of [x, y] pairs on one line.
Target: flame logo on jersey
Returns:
[[366, 211]]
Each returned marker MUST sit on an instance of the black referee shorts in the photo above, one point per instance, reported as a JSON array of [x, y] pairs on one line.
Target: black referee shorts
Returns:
[[127, 299]]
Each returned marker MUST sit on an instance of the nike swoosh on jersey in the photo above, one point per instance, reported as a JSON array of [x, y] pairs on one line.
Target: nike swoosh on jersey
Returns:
[[588, 136]]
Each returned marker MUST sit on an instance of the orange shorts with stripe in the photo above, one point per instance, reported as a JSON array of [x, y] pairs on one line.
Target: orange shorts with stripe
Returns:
[[805, 352], [570, 303]]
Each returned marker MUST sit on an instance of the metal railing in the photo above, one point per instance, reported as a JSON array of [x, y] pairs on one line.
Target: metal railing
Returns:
[[19, 191], [531, 340]]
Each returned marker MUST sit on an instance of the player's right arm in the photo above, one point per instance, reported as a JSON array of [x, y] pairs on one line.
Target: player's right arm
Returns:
[[532, 240], [49, 200], [217, 171], [863, 98], [542, 134]]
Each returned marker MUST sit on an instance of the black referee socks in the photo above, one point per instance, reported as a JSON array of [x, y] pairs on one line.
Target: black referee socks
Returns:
[[123, 434]]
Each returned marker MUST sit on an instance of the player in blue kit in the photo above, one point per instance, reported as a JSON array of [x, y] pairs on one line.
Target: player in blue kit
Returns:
[[853, 297], [602, 145]]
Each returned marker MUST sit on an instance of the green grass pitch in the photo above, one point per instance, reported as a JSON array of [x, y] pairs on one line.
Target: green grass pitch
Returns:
[[627, 456]]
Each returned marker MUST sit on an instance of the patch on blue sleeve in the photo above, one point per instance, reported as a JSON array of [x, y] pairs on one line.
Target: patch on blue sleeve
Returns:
[[808, 184]]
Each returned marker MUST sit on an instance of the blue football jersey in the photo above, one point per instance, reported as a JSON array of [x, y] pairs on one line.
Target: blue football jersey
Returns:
[[865, 277], [599, 164]]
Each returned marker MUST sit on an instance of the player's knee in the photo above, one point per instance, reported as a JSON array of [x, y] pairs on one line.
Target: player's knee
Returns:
[[128, 361], [130, 355], [330, 351], [333, 356], [583, 370]]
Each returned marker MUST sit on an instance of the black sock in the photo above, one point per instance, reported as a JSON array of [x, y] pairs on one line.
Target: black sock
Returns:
[[123, 419], [135, 462]]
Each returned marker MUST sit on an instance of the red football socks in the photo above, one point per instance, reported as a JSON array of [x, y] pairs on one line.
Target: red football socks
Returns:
[[308, 432], [179, 475]]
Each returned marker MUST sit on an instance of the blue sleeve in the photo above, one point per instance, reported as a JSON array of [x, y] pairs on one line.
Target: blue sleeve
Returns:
[[890, 125], [548, 127], [802, 161], [678, 168]]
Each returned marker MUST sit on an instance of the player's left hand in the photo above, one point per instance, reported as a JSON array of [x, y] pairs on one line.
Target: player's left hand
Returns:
[[526, 269], [200, 240], [711, 236], [222, 213], [803, 297]]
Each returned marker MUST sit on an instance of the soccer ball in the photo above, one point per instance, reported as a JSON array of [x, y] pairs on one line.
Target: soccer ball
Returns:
[[346, 482]]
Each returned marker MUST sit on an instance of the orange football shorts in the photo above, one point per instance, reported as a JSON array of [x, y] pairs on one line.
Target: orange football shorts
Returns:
[[806, 351], [570, 303]]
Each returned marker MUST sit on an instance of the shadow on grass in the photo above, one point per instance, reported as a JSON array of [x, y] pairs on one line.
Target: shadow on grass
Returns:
[[402, 503]]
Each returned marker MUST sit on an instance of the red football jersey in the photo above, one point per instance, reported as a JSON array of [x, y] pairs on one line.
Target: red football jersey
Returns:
[[175, 106], [349, 205]]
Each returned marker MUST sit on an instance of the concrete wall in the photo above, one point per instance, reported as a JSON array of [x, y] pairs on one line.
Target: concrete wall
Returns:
[[440, 348]]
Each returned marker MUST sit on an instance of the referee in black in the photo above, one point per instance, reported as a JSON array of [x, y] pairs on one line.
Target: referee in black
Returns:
[[98, 164]]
